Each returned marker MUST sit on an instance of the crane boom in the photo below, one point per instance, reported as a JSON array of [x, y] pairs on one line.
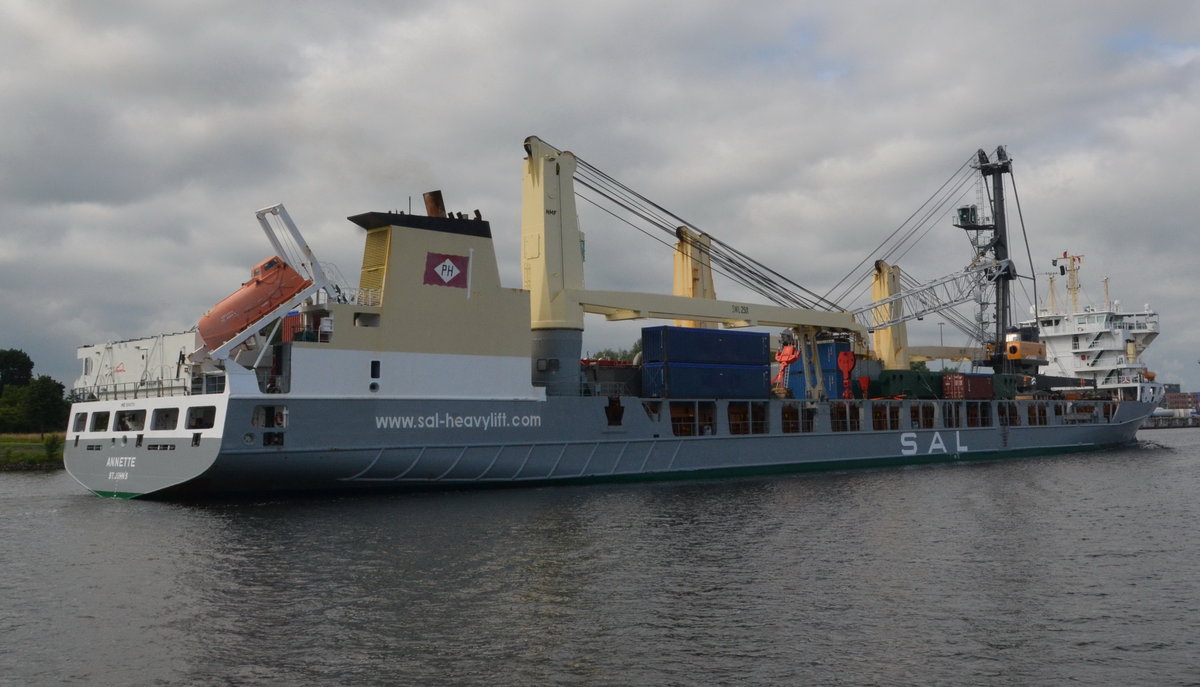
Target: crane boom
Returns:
[[933, 296], [552, 270]]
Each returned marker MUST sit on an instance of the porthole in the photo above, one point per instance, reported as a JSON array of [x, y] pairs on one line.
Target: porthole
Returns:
[[374, 386]]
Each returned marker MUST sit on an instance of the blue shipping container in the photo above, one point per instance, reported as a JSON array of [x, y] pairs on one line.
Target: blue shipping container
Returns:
[[832, 381], [700, 380], [827, 353], [711, 346]]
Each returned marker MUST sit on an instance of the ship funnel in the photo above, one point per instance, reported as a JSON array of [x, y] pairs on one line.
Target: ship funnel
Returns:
[[434, 206]]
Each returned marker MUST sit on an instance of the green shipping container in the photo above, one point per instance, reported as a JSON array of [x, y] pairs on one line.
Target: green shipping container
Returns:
[[910, 383], [1004, 386]]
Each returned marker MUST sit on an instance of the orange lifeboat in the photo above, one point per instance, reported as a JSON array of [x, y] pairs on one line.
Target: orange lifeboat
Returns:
[[272, 283]]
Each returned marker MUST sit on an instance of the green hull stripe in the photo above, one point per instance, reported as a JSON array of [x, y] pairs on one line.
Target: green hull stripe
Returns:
[[116, 494]]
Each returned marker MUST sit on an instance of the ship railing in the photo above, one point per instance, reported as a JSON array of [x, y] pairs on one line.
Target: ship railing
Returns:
[[274, 384], [368, 297], [297, 331], [602, 389], [354, 296], [120, 391]]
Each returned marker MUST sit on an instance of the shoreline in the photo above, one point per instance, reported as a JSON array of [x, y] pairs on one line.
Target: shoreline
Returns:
[[32, 466]]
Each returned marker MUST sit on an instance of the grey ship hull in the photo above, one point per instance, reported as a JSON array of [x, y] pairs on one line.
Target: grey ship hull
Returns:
[[368, 444]]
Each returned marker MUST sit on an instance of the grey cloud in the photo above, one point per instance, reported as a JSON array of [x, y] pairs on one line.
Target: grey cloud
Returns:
[[139, 137]]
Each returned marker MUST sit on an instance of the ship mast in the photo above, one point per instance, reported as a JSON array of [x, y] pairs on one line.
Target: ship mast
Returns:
[[993, 238], [1052, 298], [996, 170], [1071, 270]]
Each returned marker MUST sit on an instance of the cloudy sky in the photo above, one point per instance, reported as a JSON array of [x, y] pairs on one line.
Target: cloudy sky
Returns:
[[138, 139]]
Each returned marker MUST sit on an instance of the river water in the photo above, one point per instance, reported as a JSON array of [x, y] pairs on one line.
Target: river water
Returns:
[[1083, 569]]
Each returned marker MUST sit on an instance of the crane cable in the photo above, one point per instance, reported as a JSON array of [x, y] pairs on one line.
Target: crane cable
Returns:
[[850, 276], [725, 259]]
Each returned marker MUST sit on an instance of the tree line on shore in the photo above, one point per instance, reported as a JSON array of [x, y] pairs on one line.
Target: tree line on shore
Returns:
[[29, 404]]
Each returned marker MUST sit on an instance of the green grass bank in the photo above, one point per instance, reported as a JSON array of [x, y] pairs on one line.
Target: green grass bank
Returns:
[[31, 451]]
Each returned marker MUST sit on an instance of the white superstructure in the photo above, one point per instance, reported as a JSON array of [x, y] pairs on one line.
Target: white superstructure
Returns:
[[1101, 344], [155, 365]]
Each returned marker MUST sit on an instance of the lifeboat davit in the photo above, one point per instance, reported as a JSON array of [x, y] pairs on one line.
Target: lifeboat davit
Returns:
[[272, 283]]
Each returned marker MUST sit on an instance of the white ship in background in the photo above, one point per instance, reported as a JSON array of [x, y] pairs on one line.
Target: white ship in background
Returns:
[[1102, 345]]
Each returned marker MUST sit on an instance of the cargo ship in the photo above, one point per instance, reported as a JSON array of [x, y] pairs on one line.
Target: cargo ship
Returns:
[[430, 373]]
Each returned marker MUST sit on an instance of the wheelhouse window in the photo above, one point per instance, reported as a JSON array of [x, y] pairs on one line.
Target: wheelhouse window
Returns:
[[80, 423]]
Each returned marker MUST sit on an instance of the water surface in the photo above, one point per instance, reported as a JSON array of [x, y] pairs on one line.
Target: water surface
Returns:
[[1046, 571]]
